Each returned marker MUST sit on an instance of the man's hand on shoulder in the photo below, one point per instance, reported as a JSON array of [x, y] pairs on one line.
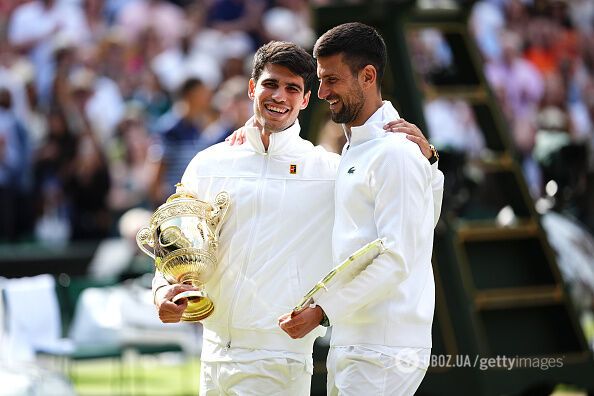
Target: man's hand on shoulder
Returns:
[[170, 312], [237, 138], [299, 324], [413, 133]]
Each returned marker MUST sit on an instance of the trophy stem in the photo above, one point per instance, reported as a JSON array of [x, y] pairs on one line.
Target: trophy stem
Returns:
[[200, 306]]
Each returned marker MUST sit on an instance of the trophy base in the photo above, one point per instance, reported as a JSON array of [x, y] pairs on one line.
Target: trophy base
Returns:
[[199, 305]]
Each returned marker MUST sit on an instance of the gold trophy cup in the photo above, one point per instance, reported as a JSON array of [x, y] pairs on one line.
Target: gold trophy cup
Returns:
[[182, 238]]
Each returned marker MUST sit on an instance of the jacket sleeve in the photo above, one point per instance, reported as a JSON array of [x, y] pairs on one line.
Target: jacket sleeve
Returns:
[[400, 187], [437, 187]]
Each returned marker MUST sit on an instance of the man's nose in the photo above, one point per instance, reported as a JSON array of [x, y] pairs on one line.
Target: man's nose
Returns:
[[322, 91], [278, 95]]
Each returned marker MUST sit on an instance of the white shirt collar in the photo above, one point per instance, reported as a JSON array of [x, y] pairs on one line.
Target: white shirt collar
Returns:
[[373, 127], [279, 141]]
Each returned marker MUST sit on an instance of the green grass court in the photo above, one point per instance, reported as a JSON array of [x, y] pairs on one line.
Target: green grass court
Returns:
[[144, 375]]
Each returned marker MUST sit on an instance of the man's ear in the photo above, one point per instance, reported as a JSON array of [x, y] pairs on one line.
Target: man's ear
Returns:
[[251, 89], [305, 101], [367, 76]]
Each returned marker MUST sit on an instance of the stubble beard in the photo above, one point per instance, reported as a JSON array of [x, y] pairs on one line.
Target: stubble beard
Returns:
[[351, 108]]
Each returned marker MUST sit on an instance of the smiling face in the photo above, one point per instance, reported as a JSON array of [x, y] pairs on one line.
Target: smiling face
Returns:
[[278, 97], [341, 89]]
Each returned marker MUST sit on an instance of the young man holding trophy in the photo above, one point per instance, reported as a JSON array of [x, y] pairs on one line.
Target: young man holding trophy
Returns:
[[275, 241], [381, 316]]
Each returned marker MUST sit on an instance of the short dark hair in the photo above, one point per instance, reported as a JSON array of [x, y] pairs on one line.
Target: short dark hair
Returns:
[[188, 86], [289, 55], [360, 44]]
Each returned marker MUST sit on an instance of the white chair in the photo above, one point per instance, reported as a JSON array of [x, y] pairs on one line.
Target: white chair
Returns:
[[34, 327], [33, 321]]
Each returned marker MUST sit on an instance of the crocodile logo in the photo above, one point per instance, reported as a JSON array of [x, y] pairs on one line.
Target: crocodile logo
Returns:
[[351, 170]]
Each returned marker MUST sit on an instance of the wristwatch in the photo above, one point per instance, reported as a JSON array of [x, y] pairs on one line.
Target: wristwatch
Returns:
[[435, 155]]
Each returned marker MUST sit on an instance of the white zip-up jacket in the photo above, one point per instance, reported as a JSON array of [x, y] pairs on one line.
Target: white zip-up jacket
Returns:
[[275, 242], [385, 188]]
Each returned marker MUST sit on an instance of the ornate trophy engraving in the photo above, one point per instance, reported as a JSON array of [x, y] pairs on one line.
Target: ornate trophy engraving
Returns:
[[182, 238]]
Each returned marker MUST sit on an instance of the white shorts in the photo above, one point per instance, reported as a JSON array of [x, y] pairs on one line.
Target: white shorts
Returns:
[[359, 370], [270, 376]]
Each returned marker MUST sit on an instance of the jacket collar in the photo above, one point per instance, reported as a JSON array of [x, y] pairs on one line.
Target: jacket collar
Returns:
[[374, 126], [279, 142]]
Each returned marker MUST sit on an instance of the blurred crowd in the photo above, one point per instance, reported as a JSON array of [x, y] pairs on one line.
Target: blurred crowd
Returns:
[[538, 58], [539, 61], [104, 102]]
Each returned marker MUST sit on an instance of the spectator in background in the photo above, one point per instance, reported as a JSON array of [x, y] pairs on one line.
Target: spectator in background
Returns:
[[238, 15], [65, 60], [446, 118], [145, 51], [52, 161], [179, 61], [35, 26], [153, 98], [87, 185], [541, 47], [95, 17], [132, 171], [11, 77], [166, 19], [486, 21], [233, 104], [517, 16], [98, 99], [110, 58], [581, 13], [519, 87], [34, 118], [517, 82], [555, 98], [290, 20], [15, 182], [186, 132]]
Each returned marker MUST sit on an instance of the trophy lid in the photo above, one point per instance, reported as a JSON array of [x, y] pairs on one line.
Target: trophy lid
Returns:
[[181, 203], [181, 192]]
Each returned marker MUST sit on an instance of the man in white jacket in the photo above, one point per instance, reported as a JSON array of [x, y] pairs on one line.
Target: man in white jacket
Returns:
[[275, 242], [274, 239], [381, 336]]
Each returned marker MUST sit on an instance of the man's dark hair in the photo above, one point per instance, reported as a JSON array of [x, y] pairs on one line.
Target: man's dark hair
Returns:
[[188, 86], [289, 55], [360, 44]]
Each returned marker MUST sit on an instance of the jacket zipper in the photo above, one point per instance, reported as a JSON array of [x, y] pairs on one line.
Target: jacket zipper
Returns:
[[250, 244]]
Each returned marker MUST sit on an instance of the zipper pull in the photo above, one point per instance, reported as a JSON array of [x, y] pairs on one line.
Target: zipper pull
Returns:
[[227, 346]]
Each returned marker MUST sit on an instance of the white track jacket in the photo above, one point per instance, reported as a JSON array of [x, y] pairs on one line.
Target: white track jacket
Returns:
[[275, 242], [385, 188]]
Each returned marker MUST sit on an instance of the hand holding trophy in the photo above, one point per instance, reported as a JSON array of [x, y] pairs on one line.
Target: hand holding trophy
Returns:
[[182, 238]]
